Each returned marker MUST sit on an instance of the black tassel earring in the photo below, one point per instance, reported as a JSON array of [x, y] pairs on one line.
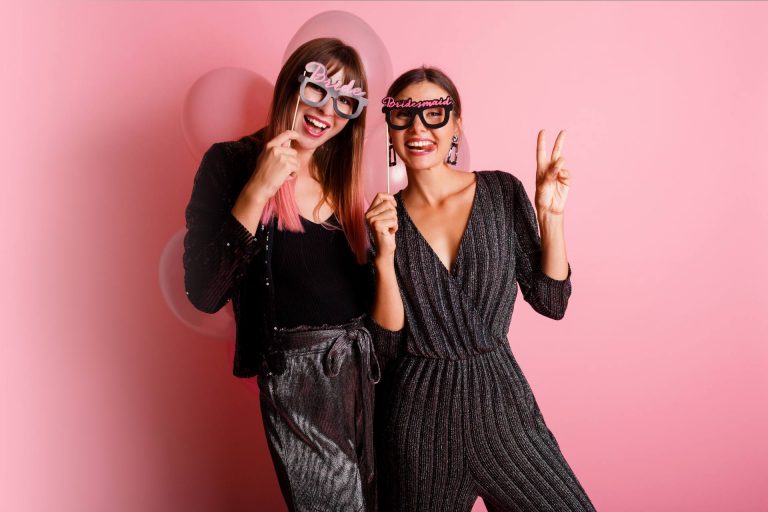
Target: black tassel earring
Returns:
[[392, 156], [453, 153]]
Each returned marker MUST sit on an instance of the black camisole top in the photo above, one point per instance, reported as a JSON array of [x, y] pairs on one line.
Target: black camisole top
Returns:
[[317, 280]]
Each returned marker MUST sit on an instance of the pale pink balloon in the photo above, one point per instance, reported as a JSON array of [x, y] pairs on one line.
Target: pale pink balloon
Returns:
[[220, 325], [355, 32], [224, 104]]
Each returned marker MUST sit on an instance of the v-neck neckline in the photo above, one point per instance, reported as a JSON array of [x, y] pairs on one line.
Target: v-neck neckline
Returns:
[[455, 264], [329, 219]]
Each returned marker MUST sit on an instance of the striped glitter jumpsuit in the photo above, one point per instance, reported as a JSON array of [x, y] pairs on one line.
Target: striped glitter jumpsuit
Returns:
[[456, 418]]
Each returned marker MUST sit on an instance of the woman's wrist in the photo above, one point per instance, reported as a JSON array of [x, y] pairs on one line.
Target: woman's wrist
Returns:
[[248, 210], [384, 263], [550, 221], [256, 192]]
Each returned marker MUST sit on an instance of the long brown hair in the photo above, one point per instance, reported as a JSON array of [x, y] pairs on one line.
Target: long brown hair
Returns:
[[337, 164]]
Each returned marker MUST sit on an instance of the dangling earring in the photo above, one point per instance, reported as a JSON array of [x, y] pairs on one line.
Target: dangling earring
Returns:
[[392, 156], [453, 153]]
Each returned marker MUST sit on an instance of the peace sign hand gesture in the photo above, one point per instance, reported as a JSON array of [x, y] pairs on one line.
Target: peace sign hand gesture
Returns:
[[552, 179]]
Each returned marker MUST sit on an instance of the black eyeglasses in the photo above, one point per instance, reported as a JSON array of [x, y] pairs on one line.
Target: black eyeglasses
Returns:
[[401, 114]]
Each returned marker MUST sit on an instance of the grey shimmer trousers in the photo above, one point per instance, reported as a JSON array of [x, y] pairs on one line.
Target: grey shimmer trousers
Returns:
[[318, 418]]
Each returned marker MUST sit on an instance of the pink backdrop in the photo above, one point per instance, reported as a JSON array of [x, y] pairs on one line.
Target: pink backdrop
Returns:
[[654, 383]]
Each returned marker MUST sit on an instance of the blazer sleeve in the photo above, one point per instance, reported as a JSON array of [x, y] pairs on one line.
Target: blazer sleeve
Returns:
[[546, 295], [217, 247]]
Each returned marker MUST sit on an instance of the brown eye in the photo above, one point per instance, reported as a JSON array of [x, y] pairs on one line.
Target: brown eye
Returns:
[[314, 92], [347, 104]]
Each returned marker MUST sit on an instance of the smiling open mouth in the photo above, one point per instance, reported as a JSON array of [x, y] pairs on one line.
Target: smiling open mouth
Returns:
[[420, 146], [314, 126]]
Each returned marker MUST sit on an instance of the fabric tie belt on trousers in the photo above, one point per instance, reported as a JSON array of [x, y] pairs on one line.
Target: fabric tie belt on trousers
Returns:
[[345, 337]]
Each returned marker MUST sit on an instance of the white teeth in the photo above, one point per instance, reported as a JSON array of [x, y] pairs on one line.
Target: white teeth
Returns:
[[419, 144], [317, 123]]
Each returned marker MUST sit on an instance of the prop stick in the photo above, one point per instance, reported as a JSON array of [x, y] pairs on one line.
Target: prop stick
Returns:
[[293, 126], [295, 111], [387, 140]]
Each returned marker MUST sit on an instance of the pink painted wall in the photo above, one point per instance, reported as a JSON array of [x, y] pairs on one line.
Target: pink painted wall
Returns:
[[654, 383]]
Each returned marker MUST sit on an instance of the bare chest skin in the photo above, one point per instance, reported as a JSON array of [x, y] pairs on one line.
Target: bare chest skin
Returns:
[[307, 193], [443, 224]]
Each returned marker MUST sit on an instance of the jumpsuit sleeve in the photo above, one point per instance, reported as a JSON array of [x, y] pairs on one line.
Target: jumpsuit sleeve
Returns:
[[388, 344], [217, 247], [546, 295]]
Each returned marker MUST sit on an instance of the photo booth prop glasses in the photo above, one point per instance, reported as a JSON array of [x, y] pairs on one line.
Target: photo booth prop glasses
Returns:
[[316, 89], [401, 114]]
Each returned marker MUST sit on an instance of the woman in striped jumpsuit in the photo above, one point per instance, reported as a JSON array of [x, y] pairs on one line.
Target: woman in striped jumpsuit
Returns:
[[456, 417]]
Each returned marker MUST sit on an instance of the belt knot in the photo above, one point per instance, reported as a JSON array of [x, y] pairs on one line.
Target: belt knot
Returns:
[[358, 337]]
